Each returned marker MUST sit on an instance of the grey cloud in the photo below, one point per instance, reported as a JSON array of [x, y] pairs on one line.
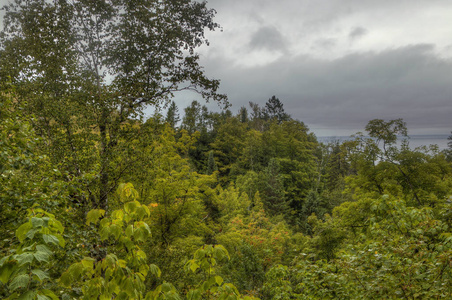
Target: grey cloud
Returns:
[[410, 83], [325, 44], [357, 33], [267, 38]]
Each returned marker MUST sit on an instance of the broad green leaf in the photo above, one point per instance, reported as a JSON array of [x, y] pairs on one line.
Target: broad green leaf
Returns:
[[29, 295], [22, 231], [129, 231], [219, 280], [40, 274], [31, 233], [194, 266], [104, 233], [66, 279], [37, 222], [118, 215], [24, 258], [94, 215], [3, 260], [88, 263], [220, 252], [61, 240], [43, 297], [41, 256], [130, 207], [50, 239], [194, 295], [49, 294], [5, 271], [144, 269], [20, 281], [154, 270], [43, 248], [167, 287], [57, 225], [115, 231]]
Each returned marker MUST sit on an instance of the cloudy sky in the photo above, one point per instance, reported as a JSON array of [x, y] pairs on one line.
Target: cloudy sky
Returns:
[[336, 64]]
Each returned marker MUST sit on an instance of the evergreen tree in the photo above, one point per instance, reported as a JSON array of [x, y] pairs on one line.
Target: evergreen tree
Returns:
[[211, 164], [243, 115], [172, 115], [272, 189], [274, 110]]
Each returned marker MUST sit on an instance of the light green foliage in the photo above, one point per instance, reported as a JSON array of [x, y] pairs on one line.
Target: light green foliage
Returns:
[[26, 176], [277, 286], [402, 252], [26, 272], [327, 236], [121, 274], [230, 203], [229, 145], [381, 167], [268, 238], [205, 261], [59, 53]]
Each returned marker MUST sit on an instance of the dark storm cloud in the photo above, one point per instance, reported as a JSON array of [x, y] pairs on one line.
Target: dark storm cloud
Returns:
[[409, 83], [267, 38]]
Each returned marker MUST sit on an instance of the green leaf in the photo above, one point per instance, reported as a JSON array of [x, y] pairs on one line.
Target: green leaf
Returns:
[[57, 225], [22, 231], [129, 231], [61, 240], [104, 233], [50, 239], [43, 248], [43, 297], [37, 222], [118, 215], [66, 279], [40, 274], [3, 260], [88, 263], [154, 270], [194, 295], [20, 281], [130, 207], [94, 215], [50, 294], [5, 271], [29, 295], [218, 280], [220, 252], [31, 233], [194, 266], [24, 258]]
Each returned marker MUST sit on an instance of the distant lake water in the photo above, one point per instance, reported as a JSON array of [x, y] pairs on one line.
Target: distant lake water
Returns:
[[415, 140]]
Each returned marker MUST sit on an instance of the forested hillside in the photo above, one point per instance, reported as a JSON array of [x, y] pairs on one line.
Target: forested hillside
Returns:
[[98, 202]]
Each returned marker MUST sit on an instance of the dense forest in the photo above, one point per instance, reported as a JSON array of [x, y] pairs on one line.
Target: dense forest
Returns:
[[99, 202]]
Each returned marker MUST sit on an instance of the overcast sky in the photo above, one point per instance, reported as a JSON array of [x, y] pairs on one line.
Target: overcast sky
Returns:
[[336, 64]]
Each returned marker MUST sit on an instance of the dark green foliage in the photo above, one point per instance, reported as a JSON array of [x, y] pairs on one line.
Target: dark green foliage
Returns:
[[211, 164], [272, 190], [274, 110]]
